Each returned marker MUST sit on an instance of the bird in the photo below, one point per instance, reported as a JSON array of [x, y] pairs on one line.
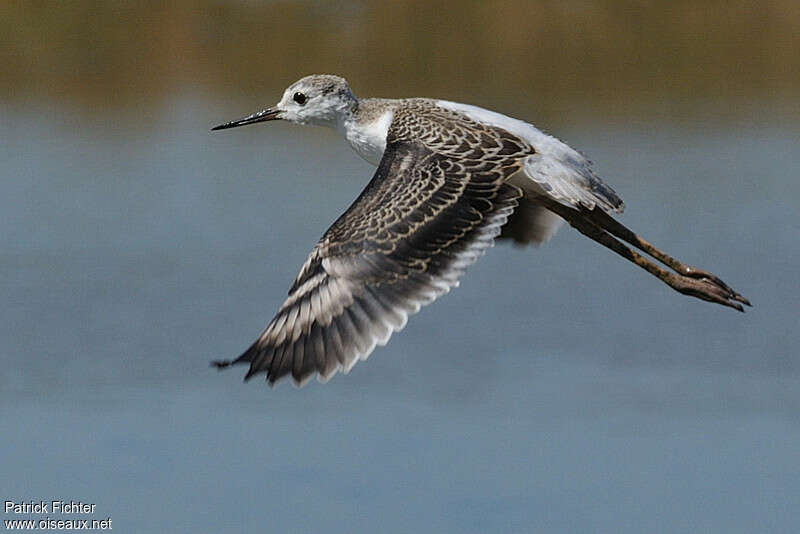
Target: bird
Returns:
[[450, 179]]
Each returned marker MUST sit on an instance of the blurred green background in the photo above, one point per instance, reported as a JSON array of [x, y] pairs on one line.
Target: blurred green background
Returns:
[[561, 59]]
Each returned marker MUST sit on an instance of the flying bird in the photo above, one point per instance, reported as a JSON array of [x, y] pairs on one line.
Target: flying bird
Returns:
[[450, 179]]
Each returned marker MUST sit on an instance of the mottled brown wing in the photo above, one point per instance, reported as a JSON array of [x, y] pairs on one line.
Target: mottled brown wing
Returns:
[[422, 219]]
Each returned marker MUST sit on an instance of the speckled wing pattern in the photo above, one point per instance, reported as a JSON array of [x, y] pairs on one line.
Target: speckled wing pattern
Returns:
[[435, 203]]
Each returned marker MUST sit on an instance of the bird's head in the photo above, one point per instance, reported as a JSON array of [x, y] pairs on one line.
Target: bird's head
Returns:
[[320, 99]]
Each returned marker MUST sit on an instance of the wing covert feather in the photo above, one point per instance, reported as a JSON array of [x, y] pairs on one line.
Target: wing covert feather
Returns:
[[421, 220]]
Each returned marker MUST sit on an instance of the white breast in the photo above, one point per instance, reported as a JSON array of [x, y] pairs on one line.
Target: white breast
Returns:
[[369, 139]]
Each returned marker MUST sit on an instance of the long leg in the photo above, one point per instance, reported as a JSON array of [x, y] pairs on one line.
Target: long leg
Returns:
[[608, 223], [705, 288]]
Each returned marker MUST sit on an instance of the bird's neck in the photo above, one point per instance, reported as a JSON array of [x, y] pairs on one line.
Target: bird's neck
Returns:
[[366, 127]]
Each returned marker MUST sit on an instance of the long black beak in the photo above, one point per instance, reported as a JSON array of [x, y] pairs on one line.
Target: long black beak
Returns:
[[269, 114]]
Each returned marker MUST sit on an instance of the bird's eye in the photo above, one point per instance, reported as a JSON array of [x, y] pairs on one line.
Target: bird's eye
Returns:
[[300, 98]]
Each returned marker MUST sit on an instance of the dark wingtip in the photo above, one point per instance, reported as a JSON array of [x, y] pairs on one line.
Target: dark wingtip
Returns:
[[250, 374]]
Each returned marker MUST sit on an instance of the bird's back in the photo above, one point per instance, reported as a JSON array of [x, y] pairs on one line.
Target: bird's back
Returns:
[[470, 134], [556, 169]]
